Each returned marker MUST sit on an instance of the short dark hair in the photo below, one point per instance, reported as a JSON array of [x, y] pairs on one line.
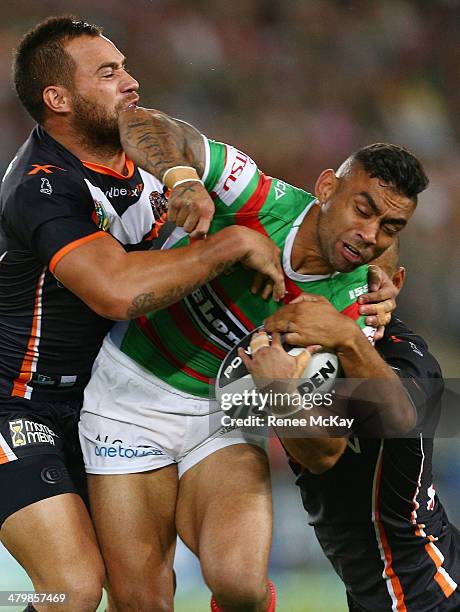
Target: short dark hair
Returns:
[[395, 166], [41, 60]]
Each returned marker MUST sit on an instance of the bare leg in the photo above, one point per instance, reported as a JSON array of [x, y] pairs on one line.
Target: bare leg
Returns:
[[134, 519], [54, 541], [224, 515]]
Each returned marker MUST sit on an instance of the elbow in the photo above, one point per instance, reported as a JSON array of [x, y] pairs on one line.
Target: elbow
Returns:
[[318, 455], [404, 421], [320, 465], [111, 306]]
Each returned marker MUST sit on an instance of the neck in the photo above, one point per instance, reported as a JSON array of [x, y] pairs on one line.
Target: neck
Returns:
[[306, 257], [109, 156]]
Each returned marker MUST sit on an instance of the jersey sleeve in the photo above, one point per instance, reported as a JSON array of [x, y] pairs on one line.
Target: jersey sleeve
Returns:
[[240, 189], [230, 176], [50, 216], [418, 369]]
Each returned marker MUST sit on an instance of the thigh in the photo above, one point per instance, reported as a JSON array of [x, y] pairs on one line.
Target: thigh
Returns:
[[134, 519], [224, 511], [54, 541]]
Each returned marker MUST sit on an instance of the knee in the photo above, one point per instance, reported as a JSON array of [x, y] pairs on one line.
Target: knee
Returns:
[[142, 598], [83, 592], [238, 590], [84, 596], [81, 595], [141, 602]]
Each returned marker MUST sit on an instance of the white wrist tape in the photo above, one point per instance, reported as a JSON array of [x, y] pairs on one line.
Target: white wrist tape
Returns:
[[187, 180], [179, 173]]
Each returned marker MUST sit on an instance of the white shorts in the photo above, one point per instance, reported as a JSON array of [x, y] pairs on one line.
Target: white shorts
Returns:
[[133, 422]]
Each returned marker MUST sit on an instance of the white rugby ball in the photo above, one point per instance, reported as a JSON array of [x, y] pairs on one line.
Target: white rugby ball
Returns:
[[318, 377], [321, 371]]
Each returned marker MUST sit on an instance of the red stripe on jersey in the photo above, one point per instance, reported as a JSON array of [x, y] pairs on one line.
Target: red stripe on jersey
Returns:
[[245, 216], [239, 314], [292, 290], [182, 320], [352, 311], [143, 324]]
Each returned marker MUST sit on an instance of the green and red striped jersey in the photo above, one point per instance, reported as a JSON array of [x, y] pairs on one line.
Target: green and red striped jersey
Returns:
[[184, 344]]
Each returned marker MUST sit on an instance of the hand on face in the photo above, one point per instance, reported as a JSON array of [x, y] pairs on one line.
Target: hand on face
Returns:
[[380, 302]]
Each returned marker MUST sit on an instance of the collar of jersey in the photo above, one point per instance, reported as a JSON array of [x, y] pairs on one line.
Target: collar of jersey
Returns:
[[42, 133], [287, 252], [106, 170]]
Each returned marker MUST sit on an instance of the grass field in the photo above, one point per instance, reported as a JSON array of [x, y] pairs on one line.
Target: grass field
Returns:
[[310, 591]]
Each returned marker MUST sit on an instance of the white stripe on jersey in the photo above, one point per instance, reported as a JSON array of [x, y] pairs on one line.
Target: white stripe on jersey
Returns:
[[7, 449], [238, 171], [38, 314], [375, 522]]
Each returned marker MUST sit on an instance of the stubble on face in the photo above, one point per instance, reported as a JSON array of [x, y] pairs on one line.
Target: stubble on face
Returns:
[[327, 243]]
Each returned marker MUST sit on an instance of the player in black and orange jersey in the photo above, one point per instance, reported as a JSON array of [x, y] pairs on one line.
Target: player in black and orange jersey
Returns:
[[77, 218], [371, 500]]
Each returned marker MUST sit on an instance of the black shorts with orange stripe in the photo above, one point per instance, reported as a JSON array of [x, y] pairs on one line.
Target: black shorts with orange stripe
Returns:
[[40, 455]]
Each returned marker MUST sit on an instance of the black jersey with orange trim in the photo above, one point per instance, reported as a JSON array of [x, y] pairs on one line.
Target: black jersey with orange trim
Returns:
[[376, 512], [50, 203]]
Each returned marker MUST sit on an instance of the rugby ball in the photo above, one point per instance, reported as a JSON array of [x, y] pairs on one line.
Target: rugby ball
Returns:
[[318, 377]]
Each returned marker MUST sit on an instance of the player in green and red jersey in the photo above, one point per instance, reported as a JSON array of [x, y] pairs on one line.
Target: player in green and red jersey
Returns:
[[147, 405], [184, 344]]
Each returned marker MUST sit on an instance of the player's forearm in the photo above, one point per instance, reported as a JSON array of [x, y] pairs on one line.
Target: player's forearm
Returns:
[[316, 454], [381, 396], [157, 142], [315, 445], [153, 280]]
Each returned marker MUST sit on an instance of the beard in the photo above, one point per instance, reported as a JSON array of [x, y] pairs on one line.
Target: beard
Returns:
[[95, 125]]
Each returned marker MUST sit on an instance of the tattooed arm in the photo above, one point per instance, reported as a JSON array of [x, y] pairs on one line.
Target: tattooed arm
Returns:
[[121, 285], [156, 143]]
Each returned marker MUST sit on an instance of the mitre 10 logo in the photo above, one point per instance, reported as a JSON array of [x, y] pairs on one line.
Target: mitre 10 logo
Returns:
[[24, 432]]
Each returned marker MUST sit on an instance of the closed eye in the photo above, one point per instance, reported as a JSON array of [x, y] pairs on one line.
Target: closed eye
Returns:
[[391, 229], [363, 212]]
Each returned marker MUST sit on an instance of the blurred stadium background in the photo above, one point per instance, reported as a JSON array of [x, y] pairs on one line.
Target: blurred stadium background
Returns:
[[298, 84]]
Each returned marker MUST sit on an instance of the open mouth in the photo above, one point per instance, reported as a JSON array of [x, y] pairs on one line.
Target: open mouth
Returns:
[[131, 101], [351, 253]]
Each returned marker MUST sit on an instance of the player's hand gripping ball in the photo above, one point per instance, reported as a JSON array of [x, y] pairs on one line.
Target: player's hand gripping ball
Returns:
[[319, 375]]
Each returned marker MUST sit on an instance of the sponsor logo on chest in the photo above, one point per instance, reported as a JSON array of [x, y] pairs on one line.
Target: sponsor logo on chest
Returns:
[[214, 318]]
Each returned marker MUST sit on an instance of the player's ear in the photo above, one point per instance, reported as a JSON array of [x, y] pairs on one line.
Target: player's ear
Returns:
[[326, 184], [57, 99], [399, 277]]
